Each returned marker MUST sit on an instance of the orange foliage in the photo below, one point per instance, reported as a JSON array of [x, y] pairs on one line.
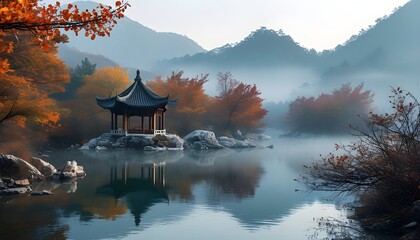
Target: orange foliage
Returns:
[[46, 22], [24, 90], [190, 106], [238, 107], [86, 119], [329, 112]]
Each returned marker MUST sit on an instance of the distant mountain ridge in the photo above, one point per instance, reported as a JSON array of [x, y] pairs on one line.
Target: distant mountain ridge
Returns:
[[263, 47], [386, 54], [394, 40], [132, 44]]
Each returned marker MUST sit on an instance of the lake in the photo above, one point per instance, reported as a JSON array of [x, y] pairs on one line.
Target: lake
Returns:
[[190, 194]]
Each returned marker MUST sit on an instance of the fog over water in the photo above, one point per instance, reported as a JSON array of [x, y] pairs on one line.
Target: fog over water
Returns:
[[248, 194]]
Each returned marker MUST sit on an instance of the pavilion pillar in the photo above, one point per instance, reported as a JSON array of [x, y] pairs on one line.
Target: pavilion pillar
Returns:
[[154, 121], [163, 120], [116, 121], [142, 123], [125, 121], [112, 121], [150, 122]]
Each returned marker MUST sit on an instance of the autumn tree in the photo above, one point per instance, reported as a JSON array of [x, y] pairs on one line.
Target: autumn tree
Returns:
[[186, 115], [24, 92], [86, 119], [77, 74], [24, 21], [26, 110], [381, 167], [45, 23], [238, 106], [330, 112]]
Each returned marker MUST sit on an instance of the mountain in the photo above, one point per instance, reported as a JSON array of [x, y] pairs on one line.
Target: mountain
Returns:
[[386, 54], [393, 44], [262, 48], [72, 57], [132, 44]]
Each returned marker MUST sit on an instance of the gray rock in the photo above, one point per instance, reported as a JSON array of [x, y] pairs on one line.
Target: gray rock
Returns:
[[201, 139], [151, 148], [72, 170], [84, 147], [175, 141], [139, 142], [92, 143], [120, 143], [22, 183], [40, 193], [17, 168], [233, 143], [44, 167], [243, 144], [199, 145], [410, 225], [15, 191]]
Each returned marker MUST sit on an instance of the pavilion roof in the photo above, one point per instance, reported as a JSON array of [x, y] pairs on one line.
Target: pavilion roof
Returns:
[[136, 96]]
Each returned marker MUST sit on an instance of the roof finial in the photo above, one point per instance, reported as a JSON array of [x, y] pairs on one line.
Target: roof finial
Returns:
[[138, 78]]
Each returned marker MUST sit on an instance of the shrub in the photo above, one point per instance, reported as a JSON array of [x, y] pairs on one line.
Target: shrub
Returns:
[[329, 113], [383, 165]]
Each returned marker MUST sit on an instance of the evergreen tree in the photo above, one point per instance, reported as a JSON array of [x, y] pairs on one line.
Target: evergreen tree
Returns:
[[86, 68]]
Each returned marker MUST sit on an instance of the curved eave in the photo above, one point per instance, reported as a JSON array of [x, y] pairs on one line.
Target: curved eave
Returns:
[[107, 103]]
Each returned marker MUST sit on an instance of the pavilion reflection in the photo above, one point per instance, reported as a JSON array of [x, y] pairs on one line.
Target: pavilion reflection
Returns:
[[138, 185]]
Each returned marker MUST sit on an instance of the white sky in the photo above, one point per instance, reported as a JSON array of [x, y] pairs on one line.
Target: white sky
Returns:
[[318, 24]]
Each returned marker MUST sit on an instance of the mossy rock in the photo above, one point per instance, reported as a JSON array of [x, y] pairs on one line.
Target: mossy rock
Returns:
[[160, 137]]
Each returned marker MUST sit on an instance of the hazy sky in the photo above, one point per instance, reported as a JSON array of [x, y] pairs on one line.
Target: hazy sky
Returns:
[[318, 24]]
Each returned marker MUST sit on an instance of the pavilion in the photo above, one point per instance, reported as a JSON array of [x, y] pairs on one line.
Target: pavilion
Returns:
[[142, 110]]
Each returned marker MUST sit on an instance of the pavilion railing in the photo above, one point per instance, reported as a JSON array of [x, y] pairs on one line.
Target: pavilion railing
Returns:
[[161, 132], [119, 132], [137, 131]]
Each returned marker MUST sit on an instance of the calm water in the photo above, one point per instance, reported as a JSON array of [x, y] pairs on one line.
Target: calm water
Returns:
[[224, 194]]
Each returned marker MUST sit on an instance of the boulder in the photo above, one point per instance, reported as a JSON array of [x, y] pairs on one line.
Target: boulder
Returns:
[[233, 143], [84, 147], [226, 141], [120, 143], [175, 141], [138, 142], [44, 167], [201, 139], [72, 170], [243, 144], [92, 143], [17, 168], [150, 148], [22, 183]]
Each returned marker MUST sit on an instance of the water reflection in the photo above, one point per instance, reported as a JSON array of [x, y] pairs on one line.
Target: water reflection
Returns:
[[129, 192], [140, 186]]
